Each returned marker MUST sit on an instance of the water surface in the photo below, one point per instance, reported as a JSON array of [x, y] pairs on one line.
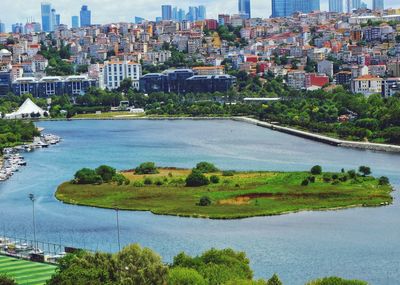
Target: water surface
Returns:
[[359, 243]]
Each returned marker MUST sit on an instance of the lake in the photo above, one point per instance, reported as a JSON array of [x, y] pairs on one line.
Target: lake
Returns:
[[361, 243]]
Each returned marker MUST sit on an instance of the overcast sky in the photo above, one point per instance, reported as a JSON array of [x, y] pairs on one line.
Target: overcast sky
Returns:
[[107, 11]]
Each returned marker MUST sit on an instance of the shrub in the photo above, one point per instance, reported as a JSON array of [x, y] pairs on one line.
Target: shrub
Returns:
[[304, 182], [87, 176], [146, 168], [196, 179], [148, 181], [327, 177], [206, 167], [383, 180], [311, 179], [185, 276], [316, 170], [228, 173], [106, 172], [214, 179], [365, 170], [343, 178], [138, 184], [120, 179], [205, 201], [5, 280], [274, 280], [336, 281], [352, 173], [159, 182], [335, 176]]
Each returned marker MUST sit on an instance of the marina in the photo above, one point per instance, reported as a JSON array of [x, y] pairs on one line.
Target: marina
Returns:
[[12, 160]]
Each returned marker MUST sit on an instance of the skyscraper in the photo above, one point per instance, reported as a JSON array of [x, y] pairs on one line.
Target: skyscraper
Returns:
[[244, 8], [192, 14], [336, 6], [166, 12], [2, 27], [75, 22], [53, 20], [356, 4], [58, 19], [378, 5], [86, 16], [202, 15], [46, 17], [285, 8]]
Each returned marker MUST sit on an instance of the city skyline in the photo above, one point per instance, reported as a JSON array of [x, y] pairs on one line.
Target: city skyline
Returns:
[[104, 12]]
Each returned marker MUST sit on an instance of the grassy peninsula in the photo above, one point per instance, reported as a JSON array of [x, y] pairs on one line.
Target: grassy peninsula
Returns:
[[208, 192]]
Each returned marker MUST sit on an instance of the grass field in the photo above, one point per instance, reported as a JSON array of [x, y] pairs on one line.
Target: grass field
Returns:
[[245, 194], [26, 272]]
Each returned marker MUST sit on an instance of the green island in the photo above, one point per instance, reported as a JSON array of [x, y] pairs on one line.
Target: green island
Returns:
[[207, 192]]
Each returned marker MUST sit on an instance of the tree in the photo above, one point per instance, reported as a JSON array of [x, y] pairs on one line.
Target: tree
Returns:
[[140, 266], [146, 168], [205, 201], [87, 176], [214, 179], [383, 180], [316, 170], [185, 276], [365, 170], [352, 173], [206, 167], [5, 280], [196, 179], [106, 172], [274, 280]]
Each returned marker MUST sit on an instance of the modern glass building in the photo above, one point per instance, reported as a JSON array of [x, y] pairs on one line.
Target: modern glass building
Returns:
[[244, 8], [46, 17], [166, 12], [2, 28], [336, 6], [86, 16], [378, 5], [285, 8], [58, 19], [75, 22], [202, 13]]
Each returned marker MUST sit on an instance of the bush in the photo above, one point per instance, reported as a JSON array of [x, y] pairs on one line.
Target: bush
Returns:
[[138, 184], [352, 173], [148, 181], [304, 182], [206, 167], [5, 280], [383, 180], [185, 276], [196, 179], [327, 177], [311, 179], [146, 168], [336, 281], [316, 170], [274, 280], [343, 178], [159, 182], [205, 201], [120, 179], [214, 179], [364, 170], [335, 176], [87, 176], [228, 173], [106, 172]]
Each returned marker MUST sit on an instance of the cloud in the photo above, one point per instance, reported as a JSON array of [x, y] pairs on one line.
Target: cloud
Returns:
[[107, 11]]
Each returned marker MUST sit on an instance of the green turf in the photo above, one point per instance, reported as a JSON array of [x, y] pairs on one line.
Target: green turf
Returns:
[[26, 272], [245, 194]]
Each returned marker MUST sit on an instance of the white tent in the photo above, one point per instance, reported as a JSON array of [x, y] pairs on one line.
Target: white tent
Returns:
[[25, 111]]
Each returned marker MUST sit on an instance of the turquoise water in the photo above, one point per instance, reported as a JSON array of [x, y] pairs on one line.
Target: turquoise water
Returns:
[[355, 243]]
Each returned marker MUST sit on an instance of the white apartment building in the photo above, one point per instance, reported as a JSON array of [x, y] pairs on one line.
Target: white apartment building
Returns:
[[367, 85], [116, 71]]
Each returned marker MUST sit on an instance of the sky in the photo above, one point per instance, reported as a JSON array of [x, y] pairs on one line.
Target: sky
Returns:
[[108, 11]]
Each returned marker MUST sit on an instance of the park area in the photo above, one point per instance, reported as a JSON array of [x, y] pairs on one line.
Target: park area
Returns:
[[26, 272]]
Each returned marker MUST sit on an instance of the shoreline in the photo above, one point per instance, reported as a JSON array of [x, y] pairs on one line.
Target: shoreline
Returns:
[[288, 130]]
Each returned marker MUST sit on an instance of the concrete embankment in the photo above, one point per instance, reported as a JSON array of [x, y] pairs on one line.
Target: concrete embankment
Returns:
[[322, 138]]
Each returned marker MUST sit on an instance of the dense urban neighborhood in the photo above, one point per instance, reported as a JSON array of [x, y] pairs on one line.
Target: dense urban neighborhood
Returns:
[[296, 107]]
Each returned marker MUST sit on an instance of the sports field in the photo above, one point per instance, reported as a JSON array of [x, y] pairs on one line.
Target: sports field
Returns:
[[26, 272]]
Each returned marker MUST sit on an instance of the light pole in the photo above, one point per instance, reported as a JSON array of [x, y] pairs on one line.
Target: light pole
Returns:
[[119, 242], [32, 198]]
